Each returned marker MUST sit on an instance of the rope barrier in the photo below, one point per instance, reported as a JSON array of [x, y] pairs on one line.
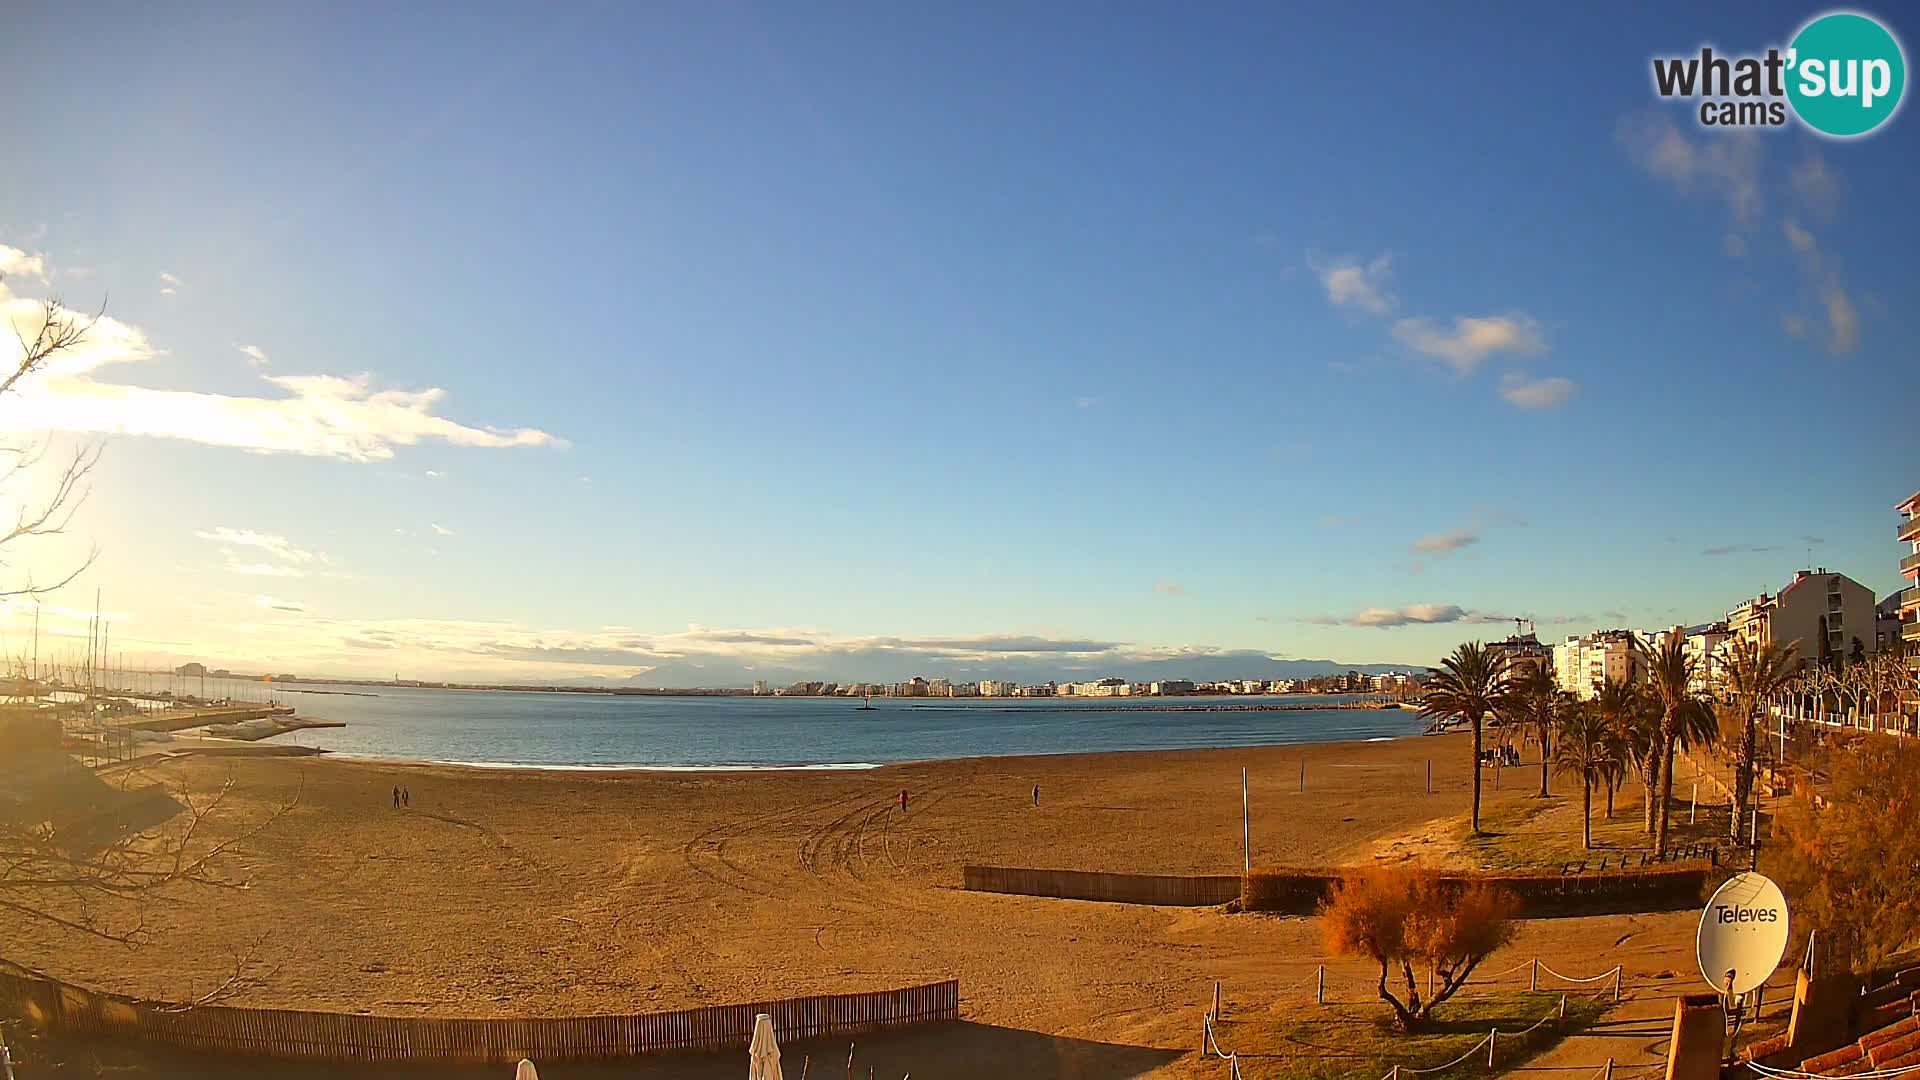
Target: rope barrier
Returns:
[[1489, 1041], [1616, 969]]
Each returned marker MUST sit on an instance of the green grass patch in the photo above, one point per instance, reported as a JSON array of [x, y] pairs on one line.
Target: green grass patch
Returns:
[[1356, 1040]]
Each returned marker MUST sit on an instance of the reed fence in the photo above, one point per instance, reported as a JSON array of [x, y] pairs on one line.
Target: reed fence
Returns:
[[1166, 889], [49, 1003]]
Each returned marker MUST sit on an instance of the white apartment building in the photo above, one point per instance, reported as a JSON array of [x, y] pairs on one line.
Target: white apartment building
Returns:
[[1582, 665], [995, 688]]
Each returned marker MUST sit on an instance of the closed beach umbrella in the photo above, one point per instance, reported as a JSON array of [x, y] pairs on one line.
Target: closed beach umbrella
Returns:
[[526, 1071], [763, 1056]]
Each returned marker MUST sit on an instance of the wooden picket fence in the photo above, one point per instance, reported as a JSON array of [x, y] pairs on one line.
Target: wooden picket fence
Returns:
[[1168, 889], [52, 1004]]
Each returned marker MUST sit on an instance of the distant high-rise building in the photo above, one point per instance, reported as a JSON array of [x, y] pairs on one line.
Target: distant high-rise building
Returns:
[[760, 688]]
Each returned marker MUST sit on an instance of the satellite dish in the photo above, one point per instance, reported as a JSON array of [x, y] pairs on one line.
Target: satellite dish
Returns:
[[1743, 934]]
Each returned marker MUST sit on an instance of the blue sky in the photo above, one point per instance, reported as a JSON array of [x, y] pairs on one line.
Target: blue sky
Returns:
[[804, 326]]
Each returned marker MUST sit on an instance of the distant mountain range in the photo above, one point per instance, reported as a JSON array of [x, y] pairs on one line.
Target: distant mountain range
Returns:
[[885, 667]]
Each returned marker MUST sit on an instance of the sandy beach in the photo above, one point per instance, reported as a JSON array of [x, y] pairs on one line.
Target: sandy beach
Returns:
[[541, 892]]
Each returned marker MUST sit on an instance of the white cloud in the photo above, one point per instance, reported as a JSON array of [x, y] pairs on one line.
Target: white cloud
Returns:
[[1085, 402], [1351, 283], [1725, 165], [1410, 615], [435, 474], [311, 415], [1798, 239], [277, 546], [1471, 340], [1529, 393], [169, 279], [1843, 319], [271, 603], [261, 569], [1817, 186], [1446, 543], [169, 291], [440, 530], [17, 263], [255, 355]]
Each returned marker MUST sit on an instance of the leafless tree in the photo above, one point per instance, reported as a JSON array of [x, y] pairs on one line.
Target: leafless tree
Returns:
[[73, 879], [60, 331]]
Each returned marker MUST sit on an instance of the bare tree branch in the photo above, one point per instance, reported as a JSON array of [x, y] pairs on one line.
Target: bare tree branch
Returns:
[[60, 331]]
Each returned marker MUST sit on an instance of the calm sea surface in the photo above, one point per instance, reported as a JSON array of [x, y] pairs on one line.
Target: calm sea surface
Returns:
[[587, 731]]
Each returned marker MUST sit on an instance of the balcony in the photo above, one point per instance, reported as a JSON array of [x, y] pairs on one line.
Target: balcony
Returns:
[[1910, 528], [1911, 631], [1910, 564], [1910, 599]]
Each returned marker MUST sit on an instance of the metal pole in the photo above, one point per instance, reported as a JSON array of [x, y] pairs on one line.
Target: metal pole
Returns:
[[1320, 990], [1429, 776], [1246, 825], [1754, 863], [1216, 999], [1303, 776], [1609, 1069], [1695, 808]]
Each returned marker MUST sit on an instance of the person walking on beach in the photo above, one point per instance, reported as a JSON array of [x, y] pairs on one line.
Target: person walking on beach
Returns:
[[406, 797], [396, 796], [1036, 794], [903, 800]]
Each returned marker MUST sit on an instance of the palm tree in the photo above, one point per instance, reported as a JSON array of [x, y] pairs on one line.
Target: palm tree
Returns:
[[1533, 703], [1683, 718], [1589, 748], [1620, 706], [1468, 686], [1755, 674]]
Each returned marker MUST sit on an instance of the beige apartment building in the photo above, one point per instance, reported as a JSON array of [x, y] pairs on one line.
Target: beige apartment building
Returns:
[[1909, 607], [1824, 612]]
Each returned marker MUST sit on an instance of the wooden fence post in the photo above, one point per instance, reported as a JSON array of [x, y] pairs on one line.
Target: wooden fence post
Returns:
[[1493, 1036], [1533, 978], [1320, 990]]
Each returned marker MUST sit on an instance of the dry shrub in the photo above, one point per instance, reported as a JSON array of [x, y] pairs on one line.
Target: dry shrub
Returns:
[[1409, 917]]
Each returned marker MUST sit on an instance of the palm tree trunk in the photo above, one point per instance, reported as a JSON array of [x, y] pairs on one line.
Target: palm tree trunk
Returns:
[[1650, 781], [1612, 786], [1667, 739], [1586, 815], [1543, 763], [1476, 776], [1743, 780]]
